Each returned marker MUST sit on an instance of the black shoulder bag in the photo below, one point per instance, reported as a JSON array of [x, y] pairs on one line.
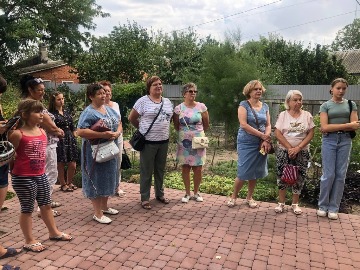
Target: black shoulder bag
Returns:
[[352, 132], [137, 140]]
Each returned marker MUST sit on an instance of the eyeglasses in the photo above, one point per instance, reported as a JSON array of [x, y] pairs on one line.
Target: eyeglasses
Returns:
[[192, 91]]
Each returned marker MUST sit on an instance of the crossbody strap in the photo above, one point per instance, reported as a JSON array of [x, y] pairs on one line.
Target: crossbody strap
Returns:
[[254, 113], [162, 103], [350, 105]]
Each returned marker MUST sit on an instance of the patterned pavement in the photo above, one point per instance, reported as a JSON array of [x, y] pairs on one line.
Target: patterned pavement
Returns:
[[205, 235]]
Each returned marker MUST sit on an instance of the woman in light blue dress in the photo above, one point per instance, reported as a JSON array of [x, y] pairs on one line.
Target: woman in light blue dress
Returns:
[[253, 141], [99, 180]]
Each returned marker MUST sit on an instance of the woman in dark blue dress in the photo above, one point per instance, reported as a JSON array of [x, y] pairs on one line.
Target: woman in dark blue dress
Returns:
[[67, 151]]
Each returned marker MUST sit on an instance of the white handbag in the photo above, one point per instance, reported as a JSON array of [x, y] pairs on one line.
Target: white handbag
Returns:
[[104, 151], [200, 142]]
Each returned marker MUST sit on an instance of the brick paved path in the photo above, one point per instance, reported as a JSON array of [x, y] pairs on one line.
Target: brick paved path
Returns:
[[205, 235]]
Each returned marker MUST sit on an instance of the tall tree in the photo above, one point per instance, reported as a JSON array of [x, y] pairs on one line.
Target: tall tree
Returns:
[[348, 38], [57, 23], [125, 55]]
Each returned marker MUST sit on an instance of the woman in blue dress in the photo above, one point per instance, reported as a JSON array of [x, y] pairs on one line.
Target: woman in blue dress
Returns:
[[99, 180], [253, 141]]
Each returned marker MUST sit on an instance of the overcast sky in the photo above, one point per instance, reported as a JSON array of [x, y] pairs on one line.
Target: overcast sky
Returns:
[[315, 21]]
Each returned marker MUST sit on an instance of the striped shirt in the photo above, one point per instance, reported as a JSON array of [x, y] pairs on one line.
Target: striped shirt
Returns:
[[148, 109]]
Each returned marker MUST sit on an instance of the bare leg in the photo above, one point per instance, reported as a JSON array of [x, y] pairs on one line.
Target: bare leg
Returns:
[[71, 172], [186, 178], [25, 221], [104, 203], [282, 195], [295, 198], [61, 174], [251, 188], [197, 178], [49, 220], [97, 206], [238, 184], [3, 192]]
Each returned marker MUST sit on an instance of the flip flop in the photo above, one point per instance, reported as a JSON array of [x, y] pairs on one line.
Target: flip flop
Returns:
[[32, 247], [9, 267], [10, 252], [163, 200], [66, 188], [55, 204], [4, 208], [61, 237], [73, 186], [146, 205]]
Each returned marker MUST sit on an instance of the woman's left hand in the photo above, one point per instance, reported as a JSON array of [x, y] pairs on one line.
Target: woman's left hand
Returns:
[[292, 152], [266, 146]]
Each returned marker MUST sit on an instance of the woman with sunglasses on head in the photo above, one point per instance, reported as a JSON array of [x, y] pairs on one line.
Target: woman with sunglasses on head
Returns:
[[191, 119], [34, 88], [99, 180], [336, 120], [253, 135], [153, 156]]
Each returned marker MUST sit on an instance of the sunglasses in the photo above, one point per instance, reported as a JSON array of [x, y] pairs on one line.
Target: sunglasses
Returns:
[[192, 91]]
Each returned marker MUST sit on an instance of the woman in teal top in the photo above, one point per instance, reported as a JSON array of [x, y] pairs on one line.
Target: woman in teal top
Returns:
[[336, 121]]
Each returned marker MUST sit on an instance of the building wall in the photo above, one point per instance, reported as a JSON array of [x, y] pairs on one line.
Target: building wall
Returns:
[[57, 74]]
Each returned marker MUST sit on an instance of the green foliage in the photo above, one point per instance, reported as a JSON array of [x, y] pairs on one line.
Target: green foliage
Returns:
[[225, 73], [58, 23], [9, 101], [283, 62], [348, 38]]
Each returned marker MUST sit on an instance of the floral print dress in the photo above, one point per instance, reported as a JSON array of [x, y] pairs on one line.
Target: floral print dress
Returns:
[[190, 126]]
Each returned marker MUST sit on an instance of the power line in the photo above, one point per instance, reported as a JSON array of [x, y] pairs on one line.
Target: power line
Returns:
[[302, 24], [228, 16]]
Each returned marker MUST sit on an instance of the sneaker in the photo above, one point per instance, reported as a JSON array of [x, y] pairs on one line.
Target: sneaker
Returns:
[[102, 220], [251, 203], [198, 198], [321, 213], [185, 199], [111, 211], [332, 215]]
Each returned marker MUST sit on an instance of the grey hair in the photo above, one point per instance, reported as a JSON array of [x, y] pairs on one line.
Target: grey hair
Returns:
[[187, 86], [289, 95]]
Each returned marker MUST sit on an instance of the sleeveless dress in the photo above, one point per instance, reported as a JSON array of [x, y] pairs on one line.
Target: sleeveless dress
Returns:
[[251, 163], [190, 126]]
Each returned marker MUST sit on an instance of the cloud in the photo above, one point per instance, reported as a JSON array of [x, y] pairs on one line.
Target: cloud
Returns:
[[315, 21]]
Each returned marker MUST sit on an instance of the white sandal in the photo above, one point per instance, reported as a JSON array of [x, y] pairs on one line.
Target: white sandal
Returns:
[[280, 207], [296, 209], [231, 202], [251, 203]]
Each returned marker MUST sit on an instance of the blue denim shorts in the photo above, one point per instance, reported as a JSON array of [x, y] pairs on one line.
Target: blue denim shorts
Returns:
[[4, 176]]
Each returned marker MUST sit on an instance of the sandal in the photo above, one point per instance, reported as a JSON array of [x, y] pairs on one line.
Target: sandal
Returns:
[[37, 247], [280, 207], [55, 204], [163, 200], [9, 267], [231, 202], [61, 237], [251, 203], [296, 209], [73, 187], [54, 212], [146, 205], [10, 252], [66, 188]]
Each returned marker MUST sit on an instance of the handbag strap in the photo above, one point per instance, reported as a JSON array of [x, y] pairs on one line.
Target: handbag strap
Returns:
[[350, 105], [162, 103], [254, 113]]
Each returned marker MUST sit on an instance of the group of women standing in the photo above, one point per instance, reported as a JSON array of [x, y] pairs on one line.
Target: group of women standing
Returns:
[[294, 130]]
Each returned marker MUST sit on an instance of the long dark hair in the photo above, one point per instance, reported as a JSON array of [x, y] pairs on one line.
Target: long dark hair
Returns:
[[52, 107], [27, 81]]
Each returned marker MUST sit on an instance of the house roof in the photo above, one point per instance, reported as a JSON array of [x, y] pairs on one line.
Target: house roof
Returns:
[[350, 60], [42, 66]]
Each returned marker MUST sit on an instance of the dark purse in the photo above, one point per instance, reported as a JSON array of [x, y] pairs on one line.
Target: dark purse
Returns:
[[272, 150], [137, 140], [352, 132], [125, 161]]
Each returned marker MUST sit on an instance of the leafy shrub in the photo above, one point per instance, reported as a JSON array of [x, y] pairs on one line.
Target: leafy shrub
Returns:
[[9, 101]]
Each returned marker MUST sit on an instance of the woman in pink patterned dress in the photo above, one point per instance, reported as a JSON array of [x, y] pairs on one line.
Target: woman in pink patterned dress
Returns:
[[191, 119]]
